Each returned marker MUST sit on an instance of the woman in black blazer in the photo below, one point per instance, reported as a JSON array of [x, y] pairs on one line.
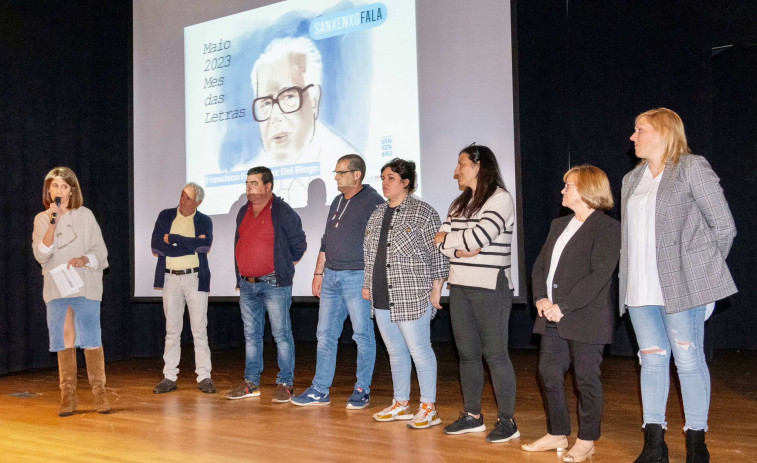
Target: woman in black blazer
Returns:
[[572, 282]]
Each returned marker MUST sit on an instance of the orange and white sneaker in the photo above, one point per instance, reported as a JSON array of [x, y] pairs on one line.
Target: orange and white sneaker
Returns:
[[425, 418], [396, 411]]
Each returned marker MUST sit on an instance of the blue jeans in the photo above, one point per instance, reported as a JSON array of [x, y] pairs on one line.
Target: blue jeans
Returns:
[[659, 334], [404, 340], [255, 299], [341, 295], [86, 322]]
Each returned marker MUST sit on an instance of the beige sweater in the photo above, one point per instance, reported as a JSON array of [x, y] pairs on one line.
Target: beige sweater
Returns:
[[77, 234]]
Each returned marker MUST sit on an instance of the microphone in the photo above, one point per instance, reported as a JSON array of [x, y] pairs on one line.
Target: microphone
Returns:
[[55, 214]]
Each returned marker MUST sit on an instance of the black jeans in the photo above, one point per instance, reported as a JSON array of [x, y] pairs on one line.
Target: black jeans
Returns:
[[555, 357], [480, 319]]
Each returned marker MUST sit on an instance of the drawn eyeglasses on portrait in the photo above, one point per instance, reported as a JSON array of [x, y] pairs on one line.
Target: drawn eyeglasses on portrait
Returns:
[[289, 101]]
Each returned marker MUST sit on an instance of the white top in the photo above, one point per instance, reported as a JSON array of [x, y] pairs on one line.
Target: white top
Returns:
[[643, 279], [325, 148], [562, 240], [491, 230]]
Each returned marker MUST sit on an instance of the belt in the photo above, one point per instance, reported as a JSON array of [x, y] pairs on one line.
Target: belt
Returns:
[[269, 277], [184, 272]]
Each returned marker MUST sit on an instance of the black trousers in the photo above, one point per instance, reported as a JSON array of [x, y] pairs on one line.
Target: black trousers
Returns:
[[480, 319], [555, 356]]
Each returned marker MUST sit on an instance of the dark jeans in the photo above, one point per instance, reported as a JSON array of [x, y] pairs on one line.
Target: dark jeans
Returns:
[[555, 357], [480, 319]]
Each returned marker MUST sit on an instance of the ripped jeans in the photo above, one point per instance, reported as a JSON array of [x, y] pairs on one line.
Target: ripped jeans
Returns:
[[656, 331]]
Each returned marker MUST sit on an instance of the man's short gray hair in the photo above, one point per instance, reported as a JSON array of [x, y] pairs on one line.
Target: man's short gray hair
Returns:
[[199, 191], [356, 163], [279, 48]]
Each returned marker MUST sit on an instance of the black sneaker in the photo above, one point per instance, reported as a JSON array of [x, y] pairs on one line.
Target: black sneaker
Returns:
[[503, 431], [466, 423], [164, 386]]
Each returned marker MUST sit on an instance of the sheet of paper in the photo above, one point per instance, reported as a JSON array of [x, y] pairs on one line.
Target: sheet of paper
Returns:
[[67, 280]]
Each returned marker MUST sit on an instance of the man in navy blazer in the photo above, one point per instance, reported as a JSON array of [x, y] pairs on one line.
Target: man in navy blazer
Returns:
[[181, 240]]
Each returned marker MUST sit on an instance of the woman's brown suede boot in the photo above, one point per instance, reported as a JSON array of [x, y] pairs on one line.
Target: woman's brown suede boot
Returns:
[[67, 380], [96, 373]]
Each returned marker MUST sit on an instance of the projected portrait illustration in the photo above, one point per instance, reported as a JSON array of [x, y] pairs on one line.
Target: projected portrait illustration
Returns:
[[294, 86], [286, 80]]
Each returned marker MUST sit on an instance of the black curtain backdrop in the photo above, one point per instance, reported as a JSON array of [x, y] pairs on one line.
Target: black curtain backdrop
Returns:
[[585, 69]]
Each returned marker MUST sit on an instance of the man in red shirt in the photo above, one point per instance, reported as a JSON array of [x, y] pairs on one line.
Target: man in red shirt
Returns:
[[269, 240]]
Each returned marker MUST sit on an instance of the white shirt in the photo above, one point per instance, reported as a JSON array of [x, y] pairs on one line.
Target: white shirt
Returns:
[[560, 244], [643, 279], [326, 147]]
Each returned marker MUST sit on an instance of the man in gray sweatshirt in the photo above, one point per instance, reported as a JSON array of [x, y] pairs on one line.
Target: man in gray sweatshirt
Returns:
[[338, 281]]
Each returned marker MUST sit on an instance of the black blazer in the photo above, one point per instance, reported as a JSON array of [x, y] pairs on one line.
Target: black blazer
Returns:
[[583, 280]]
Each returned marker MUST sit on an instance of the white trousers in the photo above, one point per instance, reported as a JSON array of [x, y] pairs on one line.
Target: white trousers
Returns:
[[179, 290]]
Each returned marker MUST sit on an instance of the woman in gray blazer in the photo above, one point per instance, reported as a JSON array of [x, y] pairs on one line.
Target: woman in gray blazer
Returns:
[[572, 281], [677, 230]]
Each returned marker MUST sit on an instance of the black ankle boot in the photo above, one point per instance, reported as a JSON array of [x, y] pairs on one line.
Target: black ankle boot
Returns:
[[655, 450], [696, 449]]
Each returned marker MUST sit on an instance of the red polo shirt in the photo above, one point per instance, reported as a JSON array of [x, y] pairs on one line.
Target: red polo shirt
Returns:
[[254, 251]]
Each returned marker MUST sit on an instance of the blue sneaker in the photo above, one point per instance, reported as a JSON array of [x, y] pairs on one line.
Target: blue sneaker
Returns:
[[310, 397], [359, 399]]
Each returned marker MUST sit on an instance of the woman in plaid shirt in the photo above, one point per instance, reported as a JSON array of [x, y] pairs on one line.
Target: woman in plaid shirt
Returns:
[[404, 274]]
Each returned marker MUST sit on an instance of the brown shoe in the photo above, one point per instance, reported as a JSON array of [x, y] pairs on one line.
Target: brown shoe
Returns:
[[96, 373], [67, 378], [283, 393], [207, 386]]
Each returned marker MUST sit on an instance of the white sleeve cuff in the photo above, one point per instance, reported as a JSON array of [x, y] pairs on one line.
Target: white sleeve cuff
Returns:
[[44, 249], [92, 261]]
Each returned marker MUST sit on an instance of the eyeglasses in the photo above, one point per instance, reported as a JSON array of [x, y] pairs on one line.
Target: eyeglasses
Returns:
[[66, 234], [342, 172], [567, 186], [289, 101]]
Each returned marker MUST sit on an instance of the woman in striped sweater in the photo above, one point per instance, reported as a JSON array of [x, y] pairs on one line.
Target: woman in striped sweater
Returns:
[[476, 237]]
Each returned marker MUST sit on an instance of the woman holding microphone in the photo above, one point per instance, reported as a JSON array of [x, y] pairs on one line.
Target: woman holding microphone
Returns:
[[67, 234]]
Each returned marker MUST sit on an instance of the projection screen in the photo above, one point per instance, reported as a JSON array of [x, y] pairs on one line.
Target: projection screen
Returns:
[[417, 80]]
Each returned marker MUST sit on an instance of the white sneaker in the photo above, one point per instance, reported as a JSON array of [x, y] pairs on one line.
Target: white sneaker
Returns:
[[425, 418], [396, 411]]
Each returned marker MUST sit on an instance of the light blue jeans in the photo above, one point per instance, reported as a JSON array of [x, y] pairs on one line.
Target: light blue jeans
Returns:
[[341, 295], [255, 299], [404, 340], [86, 322], [681, 334]]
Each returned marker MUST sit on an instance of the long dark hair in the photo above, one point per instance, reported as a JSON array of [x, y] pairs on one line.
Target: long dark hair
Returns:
[[487, 181]]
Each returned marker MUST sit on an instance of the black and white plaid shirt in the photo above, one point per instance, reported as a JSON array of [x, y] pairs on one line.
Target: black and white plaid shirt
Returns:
[[412, 260]]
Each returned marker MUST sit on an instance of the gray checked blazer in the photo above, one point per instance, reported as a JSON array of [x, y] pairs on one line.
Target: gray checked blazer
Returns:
[[694, 230]]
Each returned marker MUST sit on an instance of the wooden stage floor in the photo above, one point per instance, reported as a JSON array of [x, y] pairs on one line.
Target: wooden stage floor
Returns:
[[188, 426]]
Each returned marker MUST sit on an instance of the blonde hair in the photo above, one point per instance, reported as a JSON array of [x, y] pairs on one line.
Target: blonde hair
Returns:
[[670, 127], [593, 186], [69, 177]]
